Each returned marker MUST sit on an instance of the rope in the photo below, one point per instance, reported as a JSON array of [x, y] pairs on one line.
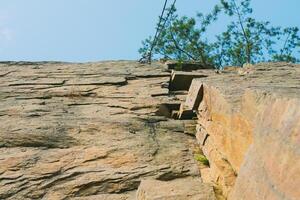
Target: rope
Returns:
[[148, 57]]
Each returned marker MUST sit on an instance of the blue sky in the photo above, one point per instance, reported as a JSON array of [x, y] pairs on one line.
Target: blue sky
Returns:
[[93, 30]]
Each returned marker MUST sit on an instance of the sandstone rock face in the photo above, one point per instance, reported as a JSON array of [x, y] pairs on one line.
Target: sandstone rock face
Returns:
[[272, 165], [87, 131], [248, 127], [188, 188], [103, 130]]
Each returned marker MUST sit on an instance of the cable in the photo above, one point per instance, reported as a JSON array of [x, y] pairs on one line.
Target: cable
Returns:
[[160, 19], [148, 57]]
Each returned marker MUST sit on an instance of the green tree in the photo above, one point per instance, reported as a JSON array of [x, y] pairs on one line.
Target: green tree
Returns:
[[182, 39], [291, 42], [246, 40], [252, 41]]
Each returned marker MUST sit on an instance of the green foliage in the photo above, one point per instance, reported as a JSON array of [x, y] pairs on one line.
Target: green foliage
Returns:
[[178, 66], [291, 42], [201, 159], [250, 41], [246, 40]]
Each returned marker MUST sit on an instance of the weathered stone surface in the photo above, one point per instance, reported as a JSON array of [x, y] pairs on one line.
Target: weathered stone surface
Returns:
[[192, 101], [180, 189], [128, 196], [249, 128], [95, 130], [195, 95], [87, 131], [183, 80], [272, 165]]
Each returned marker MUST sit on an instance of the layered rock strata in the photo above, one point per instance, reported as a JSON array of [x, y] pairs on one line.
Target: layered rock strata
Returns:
[[248, 128], [88, 131], [103, 130]]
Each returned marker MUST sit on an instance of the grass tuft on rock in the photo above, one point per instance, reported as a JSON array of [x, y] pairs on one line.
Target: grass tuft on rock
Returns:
[[201, 159]]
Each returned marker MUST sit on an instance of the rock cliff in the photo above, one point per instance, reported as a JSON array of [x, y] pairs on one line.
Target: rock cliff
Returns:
[[249, 129], [88, 131], [121, 130]]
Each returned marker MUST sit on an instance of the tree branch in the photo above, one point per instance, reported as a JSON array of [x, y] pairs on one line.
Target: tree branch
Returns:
[[180, 49], [248, 51]]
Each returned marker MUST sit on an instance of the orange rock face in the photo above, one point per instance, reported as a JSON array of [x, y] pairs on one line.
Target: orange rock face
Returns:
[[229, 136], [87, 131], [249, 129], [230, 130], [103, 130], [272, 166]]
